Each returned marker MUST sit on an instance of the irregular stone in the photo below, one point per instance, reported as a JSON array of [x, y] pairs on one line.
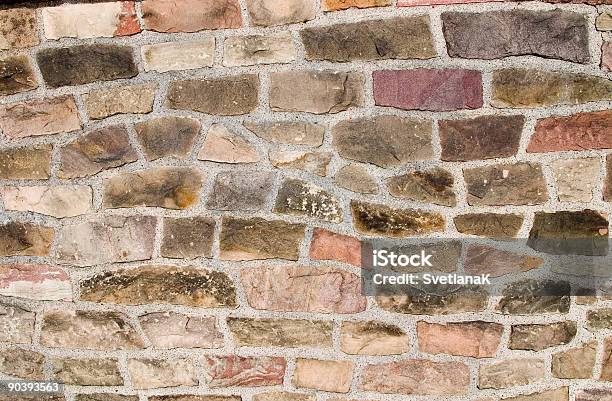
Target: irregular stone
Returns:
[[22, 363], [39, 117], [334, 376], [90, 20], [373, 338], [18, 28], [190, 15], [420, 89], [319, 92], [16, 325], [104, 331], [84, 64], [311, 162], [575, 363], [25, 239], [418, 377], [173, 285], [26, 163], [109, 239], [599, 319], [493, 225], [328, 245], [411, 3], [511, 372], [607, 189], [240, 190], [534, 297], [193, 397], [575, 179], [166, 187], [483, 259], [39, 282], [223, 146], [484, 137], [106, 397], [606, 56], [256, 238], [249, 332], [560, 394], [603, 22], [523, 88], [56, 201], [187, 237], [156, 373], [428, 186], [385, 141], [436, 300], [606, 367], [300, 198], [258, 49], [16, 75], [474, 339], [175, 330], [537, 337], [333, 5], [274, 12], [286, 396], [230, 371], [129, 99], [288, 132], [87, 372], [99, 150], [357, 179], [167, 137], [506, 184], [303, 289], [176, 56], [594, 394], [58, 397], [375, 219], [394, 38]]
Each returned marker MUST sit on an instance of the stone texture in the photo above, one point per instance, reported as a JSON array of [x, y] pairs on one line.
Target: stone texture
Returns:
[[173, 285], [536, 337], [300, 198], [288, 132], [223, 146], [323, 375], [258, 49], [483, 259], [607, 189], [190, 15], [16, 75], [606, 367], [395, 38], [319, 92], [506, 184], [510, 373], [240, 190], [303, 289], [328, 245], [436, 300], [39, 117], [274, 12], [157, 373], [428, 89], [411, 3], [59, 397], [25, 239], [603, 22], [311, 162], [104, 331], [417, 377], [22, 363], [98, 150], [428, 186], [35, 281], [373, 338], [560, 394], [248, 332], [18, 28], [594, 394], [166, 187], [108, 239], [226, 96], [535, 297], [492, 225], [606, 56], [176, 330], [84, 64], [385, 141], [525, 88], [474, 339], [56, 201], [193, 397], [333, 5], [176, 56], [16, 324], [130, 99], [167, 137], [87, 372], [357, 179], [26, 163], [187, 237], [230, 371], [375, 219], [285, 396], [575, 363], [484, 137], [575, 179], [599, 319]]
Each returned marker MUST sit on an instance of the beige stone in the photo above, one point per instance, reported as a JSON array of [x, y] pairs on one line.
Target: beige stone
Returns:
[[575, 363], [172, 56], [373, 338], [575, 179], [288, 132], [334, 376], [474, 339], [27, 163], [510, 373], [177, 330], [56, 201], [280, 332], [258, 49], [18, 28], [16, 325], [312, 162], [22, 363], [35, 281], [278, 12], [137, 99], [151, 373], [357, 179], [223, 146], [87, 372]]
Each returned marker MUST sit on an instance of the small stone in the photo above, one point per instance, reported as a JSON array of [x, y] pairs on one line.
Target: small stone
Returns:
[[492, 225], [599, 319], [27, 163], [25, 239], [230, 371], [483, 259], [412, 3], [604, 21], [575, 179], [223, 146], [98, 150], [59, 397], [16, 325], [193, 397], [575, 363], [87, 372], [258, 49], [561, 394], [22, 363], [535, 297], [129, 99], [328, 245], [436, 300], [333, 376], [511, 372], [156, 373], [167, 137], [299, 198], [474, 339], [428, 186], [275, 12], [607, 190], [177, 56], [594, 394], [288, 132], [333, 5], [606, 56], [312, 162], [240, 190], [249, 332], [286, 396], [187, 237], [373, 338], [168, 330], [18, 28], [357, 179], [537, 337], [16, 75], [39, 282], [320, 92], [56, 201], [606, 368], [190, 15]]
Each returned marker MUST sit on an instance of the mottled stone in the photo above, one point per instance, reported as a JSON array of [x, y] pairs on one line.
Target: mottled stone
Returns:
[[129, 99], [599, 319], [223, 146], [279, 12], [176, 56], [483, 259], [166, 187], [193, 397], [412, 3], [510, 373], [324, 375], [286, 396], [436, 300], [475, 339], [373, 338], [428, 186], [190, 15], [316, 92], [535, 297], [58, 397], [492, 225], [357, 179], [167, 137], [575, 363], [300, 198], [240, 190], [258, 49], [18, 28], [98, 150], [328, 245], [606, 56], [56, 201], [607, 189], [16, 325], [35, 281], [333, 5], [157, 373], [575, 179], [536, 337], [248, 332], [603, 22], [26, 163], [288, 132], [303, 289], [187, 237], [176, 330], [256, 238], [606, 367], [311, 162], [16, 75], [230, 371], [22, 363], [87, 372], [594, 394], [25, 239]]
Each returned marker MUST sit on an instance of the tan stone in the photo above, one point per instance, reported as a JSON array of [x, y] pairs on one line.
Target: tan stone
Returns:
[[137, 99], [357, 179], [258, 49], [604, 21], [606, 367], [284, 396], [280, 332], [537, 337], [22, 363], [87, 372], [560, 394], [332, 5], [278, 12], [334, 376], [16, 325], [153, 373], [223, 146], [575, 179], [18, 28], [176, 330], [56, 201], [27, 163], [25, 239], [301, 198], [475, 339], [288, 132], [173, 56], [483, 259], [510, 373], [575, 363], [312, 162], [373, 338]]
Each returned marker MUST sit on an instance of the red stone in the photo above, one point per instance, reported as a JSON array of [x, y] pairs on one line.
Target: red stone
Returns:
[[328, 245], [229, 371], [128, 22], [190, 15]]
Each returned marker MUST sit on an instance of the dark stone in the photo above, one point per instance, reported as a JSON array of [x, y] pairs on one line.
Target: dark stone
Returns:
[[537, 337], [16, 75], [533, 297], [492, 225], [187, 237], [25, 239], [435, 300], [430, 186], [167, 136], [300, 198], [241, 190]]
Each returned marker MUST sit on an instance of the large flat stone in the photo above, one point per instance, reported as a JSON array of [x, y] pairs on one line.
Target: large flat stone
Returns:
[[57, 201], [35, 281]]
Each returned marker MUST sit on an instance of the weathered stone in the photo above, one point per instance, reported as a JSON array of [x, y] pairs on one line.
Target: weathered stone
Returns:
[[176, 330], [357, 179], [156, 373], [606, 56], [334, 376], [16, 325], [187, 237], [25, 239], [22, 363], [39, 117], [412, 89], [428, 186], [230, 371], [536, 337], [534, 297], [190, 15], [39, 282], [491, 225], [240, 190], [130, 99], [286, 396], [333, 5], [475, 339], [56, 201], [436, 300], [256, 238], [511, 372], [223, 146], [104, 331], [603, 22], [599, 319], [98, 150], [303, 289], [395, 38], [26, 163], [174, 285], [167, 137], [288, 132], [319, 92], [328, 245], [560, 394], [375, 219], [385, 141], [312, 162], [411, 3], [575, 179], [193, 397], [167, 187], [483, 259], [418, 377], [18, 28], [523, 88], [258, 49], [300, 198], [249, 332], [275, 12], [175, 56], [485, 137], [11, 397], [594, 394], [83, 64], [575, 363], [506, 184], [87, 372], [373, 338], [606, 367], [607, 189], [16, 75], [109, 239]]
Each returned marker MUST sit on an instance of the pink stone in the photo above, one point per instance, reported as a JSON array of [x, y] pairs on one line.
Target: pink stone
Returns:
[[40, 282], [606, 56], [475, 339], [190, 15], [482, 259], [412, 3], [232, 370], [328, 245]]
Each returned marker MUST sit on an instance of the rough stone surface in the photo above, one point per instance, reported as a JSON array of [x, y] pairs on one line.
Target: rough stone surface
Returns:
[[248, 332], [604, 21], [275, 12], [175, 56], [606, 56], [223, 146], [483, 259], [357, 179], [22, 363], [285, 396], [509, 373], [176, 330], [436, 300], [594, 395], [130, 99], [311, 162], [328, 245], [16, 324], [16, 75], [167, 137], [575, 179], [187, 237], [475, 339], [258, 49], [238, 190], [156, 373], [87, 372], [300, 198], [323, 375], [607, 190], [493, 225], [25, 239], [333, 5], [35, 281], [231, 371], [190, 15], [536, 337], [373, 338], [606, 368], [57, 201], [534, 297], [18, 28], [26, 163], [288, 132], [575, 363], [560, 394], [427, 186], [599, 319]]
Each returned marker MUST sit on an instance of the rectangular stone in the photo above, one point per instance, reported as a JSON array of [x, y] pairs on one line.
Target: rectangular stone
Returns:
[[288, 132], [129, 99], [328, 245], [21, 363], [167, 330], [16, 75], [414, 3], [373, 338], [173, 56], [258, 49], [190, 15], [333, 5], [233, 370], [510, 373], [158, 373], [35, 281], [57, 201], [333, 376], [18, 28], [87, 372], [25, 239], [301, 198], [187, 237], [27, 163], [280, 12], [474, 339], [280, 332], [16, 324]]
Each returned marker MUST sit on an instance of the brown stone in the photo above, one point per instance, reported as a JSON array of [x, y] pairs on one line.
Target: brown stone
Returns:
[[230, 371], [190, 15], [25, 239], [373, 338], [279, 12], [607, 190], [357, 179], [240, 190], [288, 132], [105, 397], [311, 162], [575, 179], [328, 245], [16, 75], [606, 367], [575, 363], [167, 137], [333, 5], [300, 198], [18, 28], [436, 300], [27, 163], [16, 325], [248, 332], [428, 186], [223, 146], [22, 363], [285, 396], [87, 372], [333, 376], [603, 22], [187, 237], [510, 373], [157, 373], [129, 99], [491, 225], [258, 49], [176, 330], [475, 339], [599, 319], [484, 259], [534, 297], [537, 337], [594, 394]]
